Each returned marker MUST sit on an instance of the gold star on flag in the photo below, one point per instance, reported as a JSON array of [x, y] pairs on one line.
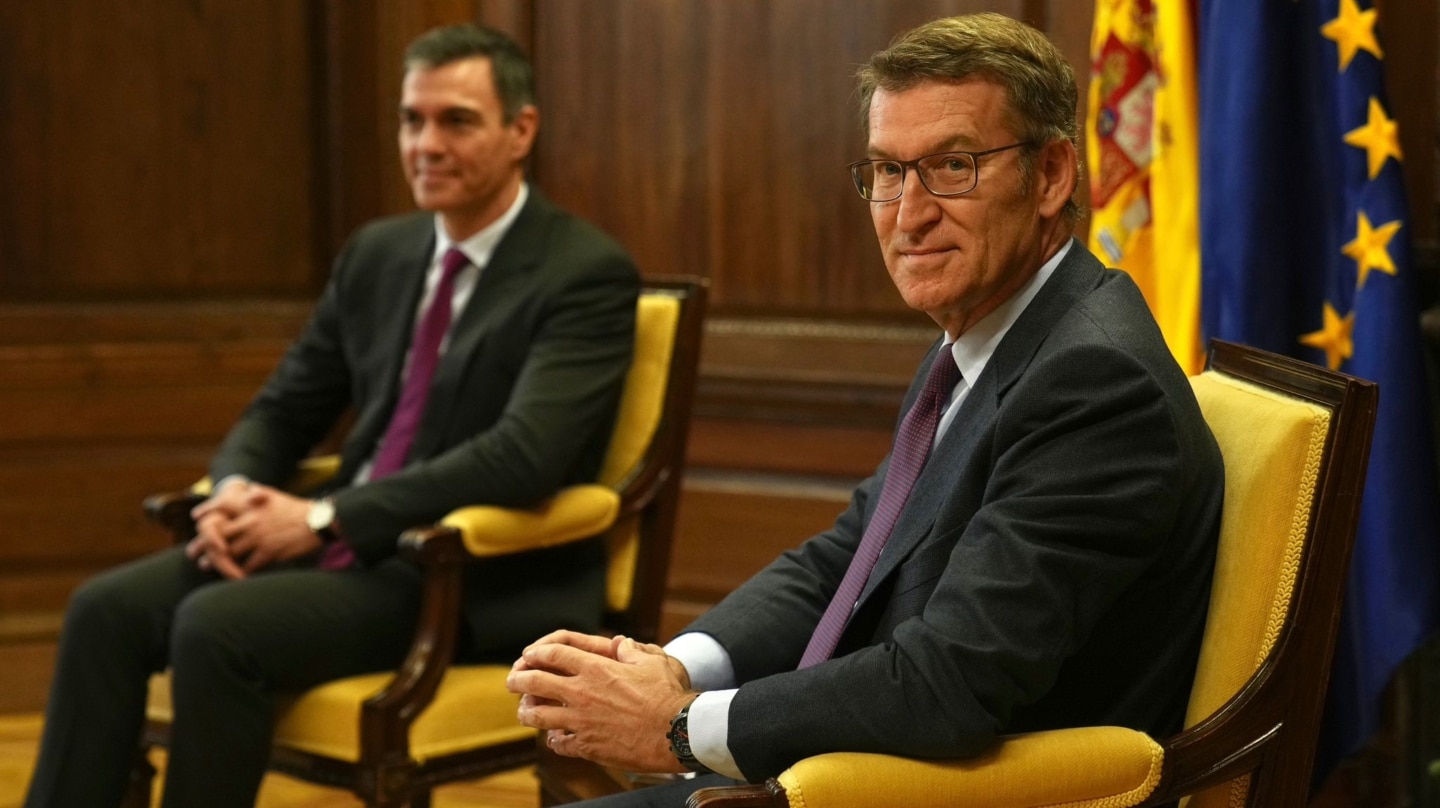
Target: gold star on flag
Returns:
[[1371, 248], [1352, 30], [1378, 137], [1334, 337]]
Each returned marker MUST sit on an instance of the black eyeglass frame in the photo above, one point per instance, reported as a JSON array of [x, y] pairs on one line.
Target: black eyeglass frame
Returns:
[[905, 165]]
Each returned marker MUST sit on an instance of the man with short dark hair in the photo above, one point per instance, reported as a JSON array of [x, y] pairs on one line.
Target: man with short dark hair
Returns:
[[482, 345], [1037, 549]]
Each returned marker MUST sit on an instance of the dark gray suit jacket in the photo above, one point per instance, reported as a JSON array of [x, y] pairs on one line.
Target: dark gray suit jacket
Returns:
[[522, 402], [1052, 567]]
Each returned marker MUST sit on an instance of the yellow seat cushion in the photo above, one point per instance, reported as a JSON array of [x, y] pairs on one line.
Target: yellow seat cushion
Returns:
[[1089, 767], [471, 710]]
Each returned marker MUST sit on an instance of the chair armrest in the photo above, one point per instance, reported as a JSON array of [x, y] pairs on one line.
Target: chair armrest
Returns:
[[577, 512], [312, 472], [172, 512], [441, 552], [1087, 766]]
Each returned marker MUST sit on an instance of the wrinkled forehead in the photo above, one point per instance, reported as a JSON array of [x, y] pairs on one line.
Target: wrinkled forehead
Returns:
[[936, 115]]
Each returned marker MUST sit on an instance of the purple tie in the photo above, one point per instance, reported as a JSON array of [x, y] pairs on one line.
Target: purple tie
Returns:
[[424, 358], [907, 458]]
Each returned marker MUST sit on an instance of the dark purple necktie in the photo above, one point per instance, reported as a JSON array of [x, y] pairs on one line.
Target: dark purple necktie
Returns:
[[907, 458], [424, 358]]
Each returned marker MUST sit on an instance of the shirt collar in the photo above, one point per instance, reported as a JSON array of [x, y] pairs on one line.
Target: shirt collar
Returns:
[[479, 247], [972, 351]]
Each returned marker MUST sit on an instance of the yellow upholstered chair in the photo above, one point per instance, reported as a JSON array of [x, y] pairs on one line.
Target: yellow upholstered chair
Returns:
[[391, 737], [1295, 439]]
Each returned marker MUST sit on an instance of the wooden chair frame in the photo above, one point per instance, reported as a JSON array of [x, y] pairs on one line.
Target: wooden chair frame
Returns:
[[1267, 730], [386, 773]]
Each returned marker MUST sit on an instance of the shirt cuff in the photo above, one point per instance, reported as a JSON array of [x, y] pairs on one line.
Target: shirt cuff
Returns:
[[705, 659], [709, 725]]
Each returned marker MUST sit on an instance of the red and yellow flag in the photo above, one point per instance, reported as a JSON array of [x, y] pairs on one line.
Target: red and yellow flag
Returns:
[[1141, 147]]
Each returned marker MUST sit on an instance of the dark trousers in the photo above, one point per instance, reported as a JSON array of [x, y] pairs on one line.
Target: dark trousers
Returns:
[[230, 645]]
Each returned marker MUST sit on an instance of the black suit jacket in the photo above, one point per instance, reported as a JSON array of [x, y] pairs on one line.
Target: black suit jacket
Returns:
[[522, 402], [1051, 568]]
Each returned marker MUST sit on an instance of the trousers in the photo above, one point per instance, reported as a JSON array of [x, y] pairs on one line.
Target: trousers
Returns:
[[230, 645]]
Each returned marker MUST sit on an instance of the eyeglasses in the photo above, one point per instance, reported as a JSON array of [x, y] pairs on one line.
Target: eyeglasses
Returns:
[[943, 174]]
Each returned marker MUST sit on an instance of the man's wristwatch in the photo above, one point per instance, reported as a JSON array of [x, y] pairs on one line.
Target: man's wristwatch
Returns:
[[679, 736], [321, 519]]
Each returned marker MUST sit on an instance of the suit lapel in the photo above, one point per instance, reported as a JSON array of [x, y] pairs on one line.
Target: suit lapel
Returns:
[[400, 277], [1076, 275], [502, 282]]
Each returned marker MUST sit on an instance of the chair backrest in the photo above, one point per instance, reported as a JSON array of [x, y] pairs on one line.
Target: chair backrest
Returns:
[[1295, 439], [647, 450]]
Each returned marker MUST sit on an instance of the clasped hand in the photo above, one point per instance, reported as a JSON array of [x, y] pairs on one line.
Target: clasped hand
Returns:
[[246, 526], [608, 700]]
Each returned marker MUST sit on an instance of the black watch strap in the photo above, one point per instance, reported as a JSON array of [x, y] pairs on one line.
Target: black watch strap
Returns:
[[679, 736]]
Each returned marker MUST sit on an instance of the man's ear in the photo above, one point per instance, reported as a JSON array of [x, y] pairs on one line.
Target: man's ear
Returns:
[[1056, 175], [524, 128]]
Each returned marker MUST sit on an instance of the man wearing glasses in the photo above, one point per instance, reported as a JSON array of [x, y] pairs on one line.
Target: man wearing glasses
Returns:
[[1035, 552]]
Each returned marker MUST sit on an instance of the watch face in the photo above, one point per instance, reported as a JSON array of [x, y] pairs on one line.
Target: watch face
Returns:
[[679, 736], [321, 515]]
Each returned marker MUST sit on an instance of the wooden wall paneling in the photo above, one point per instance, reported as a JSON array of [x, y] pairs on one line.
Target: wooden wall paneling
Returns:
[[1409, 34], [153, 154], [514, 17], [105, 404], [715, 139]]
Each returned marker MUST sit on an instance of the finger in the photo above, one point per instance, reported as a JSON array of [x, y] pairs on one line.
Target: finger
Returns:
[[591, 643], [567, 660], [241, 545], [541, 715], [202, 545], [562, 743], [257, 559], [543, 689], [629, 651], [240, 524], [226, 566]]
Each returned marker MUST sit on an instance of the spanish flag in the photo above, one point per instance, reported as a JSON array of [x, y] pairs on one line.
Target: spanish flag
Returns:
[[1141, 148]]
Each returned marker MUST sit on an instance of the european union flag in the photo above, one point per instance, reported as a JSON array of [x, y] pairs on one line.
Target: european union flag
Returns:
[[1305, 251]]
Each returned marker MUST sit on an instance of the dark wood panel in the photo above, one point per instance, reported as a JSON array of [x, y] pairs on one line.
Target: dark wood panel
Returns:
[[786, 448], [155, 149], [25, 680], [1409, 33], [716, 141], [732, 525], [127, 393], [78, 508]]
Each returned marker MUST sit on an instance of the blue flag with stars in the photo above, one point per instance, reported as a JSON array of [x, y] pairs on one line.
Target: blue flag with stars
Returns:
[[1305, 251]]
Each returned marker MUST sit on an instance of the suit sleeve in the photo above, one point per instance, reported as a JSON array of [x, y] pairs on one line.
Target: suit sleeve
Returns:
[[299, 404], [1078, 501]]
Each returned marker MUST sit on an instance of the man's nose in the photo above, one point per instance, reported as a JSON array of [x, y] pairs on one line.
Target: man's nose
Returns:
[[918, 207]]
